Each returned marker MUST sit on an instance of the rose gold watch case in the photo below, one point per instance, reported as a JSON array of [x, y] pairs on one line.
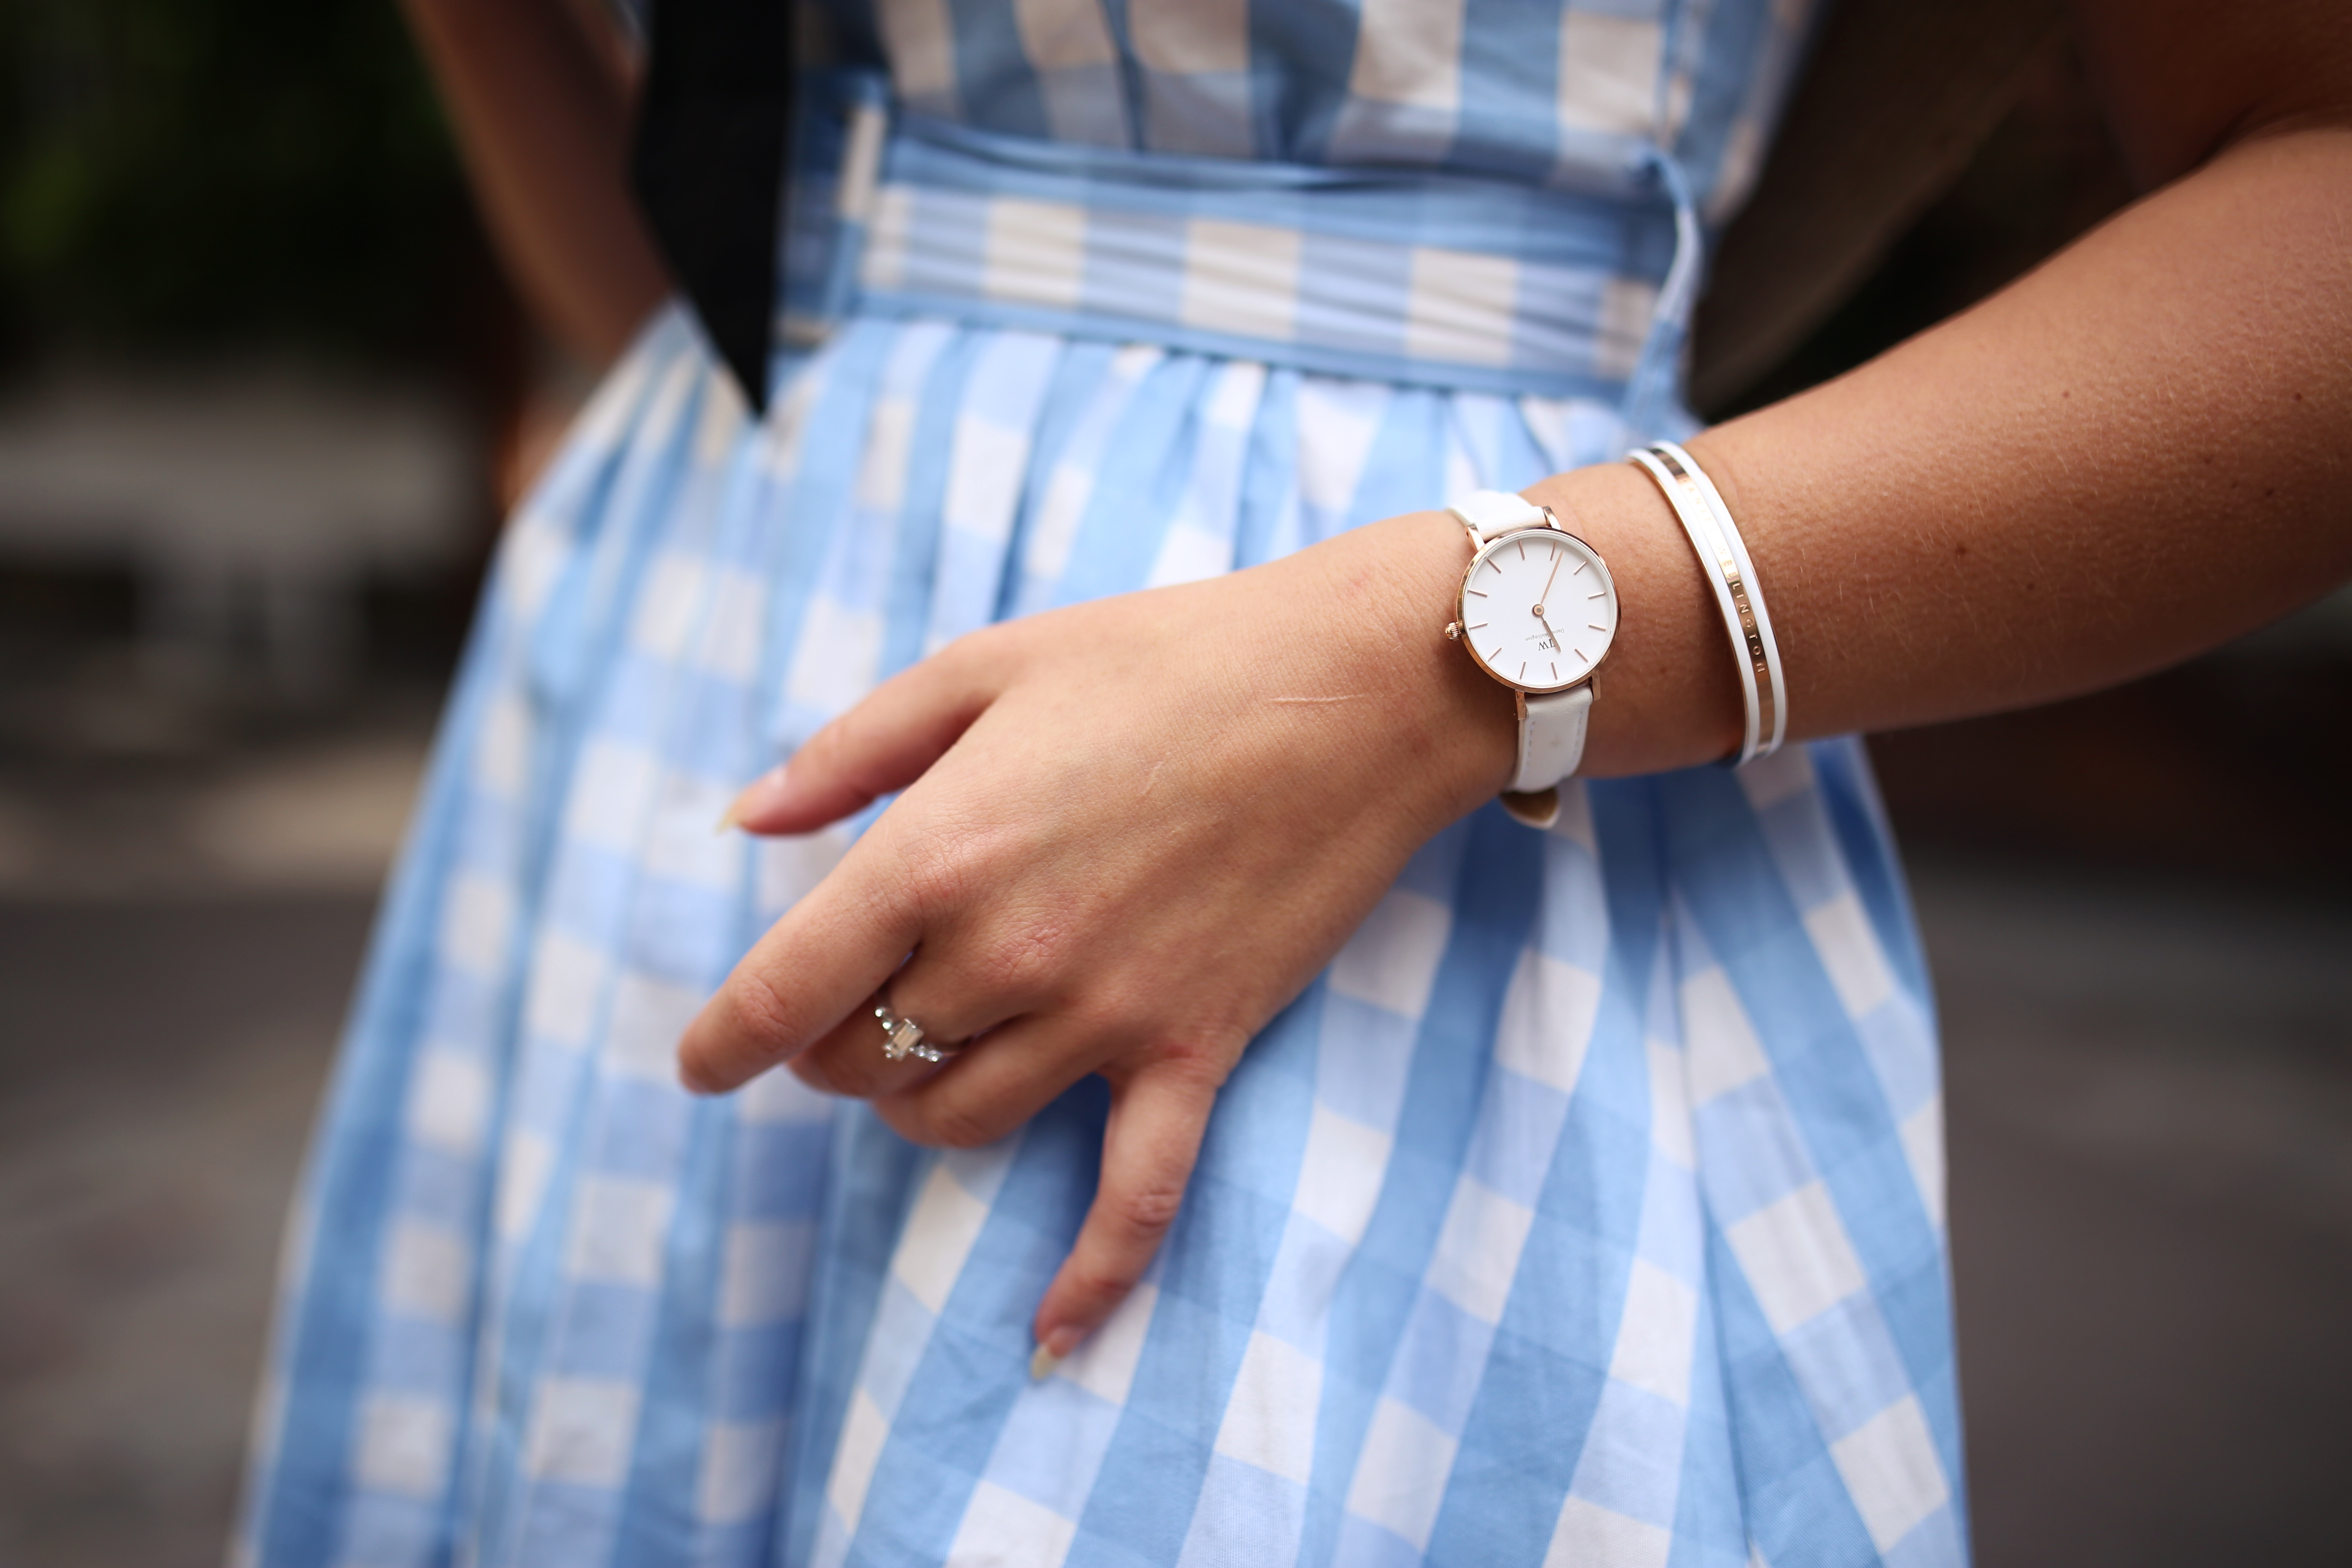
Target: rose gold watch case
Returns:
[[1462, 605]]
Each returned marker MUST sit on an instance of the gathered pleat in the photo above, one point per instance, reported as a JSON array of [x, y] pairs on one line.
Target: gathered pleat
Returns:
[[1586, 1209]]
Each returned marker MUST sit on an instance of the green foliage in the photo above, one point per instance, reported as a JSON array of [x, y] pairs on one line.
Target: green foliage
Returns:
[[176, 174]]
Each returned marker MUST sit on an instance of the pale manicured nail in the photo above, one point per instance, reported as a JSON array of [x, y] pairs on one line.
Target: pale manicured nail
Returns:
[[760, 791], [1052, 1351]]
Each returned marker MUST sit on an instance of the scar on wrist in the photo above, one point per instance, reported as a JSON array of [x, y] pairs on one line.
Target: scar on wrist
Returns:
[[1343, 697]]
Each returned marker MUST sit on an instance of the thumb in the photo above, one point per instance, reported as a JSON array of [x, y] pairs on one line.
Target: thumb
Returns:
[[884, 744]]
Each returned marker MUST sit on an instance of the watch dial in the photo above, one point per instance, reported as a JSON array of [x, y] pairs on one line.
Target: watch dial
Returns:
[[1539, 609]]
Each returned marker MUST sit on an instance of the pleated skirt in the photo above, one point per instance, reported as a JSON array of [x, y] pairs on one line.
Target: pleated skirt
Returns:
[[1587, 1209]]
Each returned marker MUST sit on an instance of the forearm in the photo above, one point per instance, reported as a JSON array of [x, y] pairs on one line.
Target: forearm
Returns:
[[2126, 457], [541, 114]]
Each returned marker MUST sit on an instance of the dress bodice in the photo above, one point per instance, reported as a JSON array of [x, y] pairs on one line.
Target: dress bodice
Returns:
[[1535, 89]]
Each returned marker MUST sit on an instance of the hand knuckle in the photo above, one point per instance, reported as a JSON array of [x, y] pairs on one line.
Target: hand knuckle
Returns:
[[827, 1073], [1104, 1287], [825, 747], [1027, 963], [855, 747], [935, 874], [1198, 1059], [754, 1014], [953, 1126], [1151, 1209]]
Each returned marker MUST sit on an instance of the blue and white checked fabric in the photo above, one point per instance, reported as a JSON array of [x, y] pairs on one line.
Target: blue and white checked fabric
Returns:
[[1567, 95], [1586, 1210], [1409, 276]]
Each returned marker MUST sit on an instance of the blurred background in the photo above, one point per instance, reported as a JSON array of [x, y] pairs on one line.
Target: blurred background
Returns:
[[263, 396]]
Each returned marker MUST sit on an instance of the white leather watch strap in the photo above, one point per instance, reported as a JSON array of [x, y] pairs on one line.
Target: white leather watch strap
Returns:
[[1551, 725], [1487, 513], [1551, 737]]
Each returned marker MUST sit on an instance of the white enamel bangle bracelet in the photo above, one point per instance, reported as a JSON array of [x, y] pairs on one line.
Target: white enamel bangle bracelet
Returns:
[[1723, 556]]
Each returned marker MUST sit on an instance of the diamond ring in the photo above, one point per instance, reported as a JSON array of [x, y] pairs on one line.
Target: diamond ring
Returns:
[[903, 1037]]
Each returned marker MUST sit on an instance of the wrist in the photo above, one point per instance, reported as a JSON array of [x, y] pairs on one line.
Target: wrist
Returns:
[[1445, 720], [1669, 695]]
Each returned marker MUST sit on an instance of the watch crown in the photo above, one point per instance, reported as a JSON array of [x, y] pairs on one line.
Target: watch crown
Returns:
[[1453, 631]]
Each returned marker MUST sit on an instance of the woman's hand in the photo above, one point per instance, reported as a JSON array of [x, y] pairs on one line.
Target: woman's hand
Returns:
[[1131, 832]]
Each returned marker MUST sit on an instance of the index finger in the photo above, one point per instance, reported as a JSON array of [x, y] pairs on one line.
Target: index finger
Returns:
[[827, 954]]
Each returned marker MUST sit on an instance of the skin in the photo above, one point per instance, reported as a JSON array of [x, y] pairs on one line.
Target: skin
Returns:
[[1126, 866], [539, 94]]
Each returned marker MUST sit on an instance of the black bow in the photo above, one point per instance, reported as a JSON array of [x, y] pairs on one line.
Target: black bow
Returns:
[[707, 163]]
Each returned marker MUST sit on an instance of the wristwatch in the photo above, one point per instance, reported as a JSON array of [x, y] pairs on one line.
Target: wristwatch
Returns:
[[1538, 612]]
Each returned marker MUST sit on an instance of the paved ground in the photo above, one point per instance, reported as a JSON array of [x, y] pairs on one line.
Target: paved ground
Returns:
[[2151, 1136], [158, 1063], [2150, 1114]]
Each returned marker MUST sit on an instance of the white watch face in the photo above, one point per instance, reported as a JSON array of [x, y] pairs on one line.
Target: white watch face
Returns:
[[1539, 610]]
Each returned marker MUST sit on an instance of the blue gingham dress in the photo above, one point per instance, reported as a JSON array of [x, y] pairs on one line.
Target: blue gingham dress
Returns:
[[1587, 1209]]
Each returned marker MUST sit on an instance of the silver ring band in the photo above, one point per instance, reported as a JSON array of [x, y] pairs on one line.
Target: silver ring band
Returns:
[[903, 1037]]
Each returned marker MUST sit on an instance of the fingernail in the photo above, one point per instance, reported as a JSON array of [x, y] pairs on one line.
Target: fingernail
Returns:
[[1052, 1351], [751, 796]]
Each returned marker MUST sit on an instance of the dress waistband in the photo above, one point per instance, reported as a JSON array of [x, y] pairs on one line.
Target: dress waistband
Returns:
[[1404, 275]]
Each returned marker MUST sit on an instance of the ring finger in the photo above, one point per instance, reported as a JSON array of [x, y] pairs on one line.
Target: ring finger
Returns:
[[950, 1010]]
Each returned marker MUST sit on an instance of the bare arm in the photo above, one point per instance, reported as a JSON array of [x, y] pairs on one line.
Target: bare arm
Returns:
[[2122, 460], [2135, 452], [540, 97]]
